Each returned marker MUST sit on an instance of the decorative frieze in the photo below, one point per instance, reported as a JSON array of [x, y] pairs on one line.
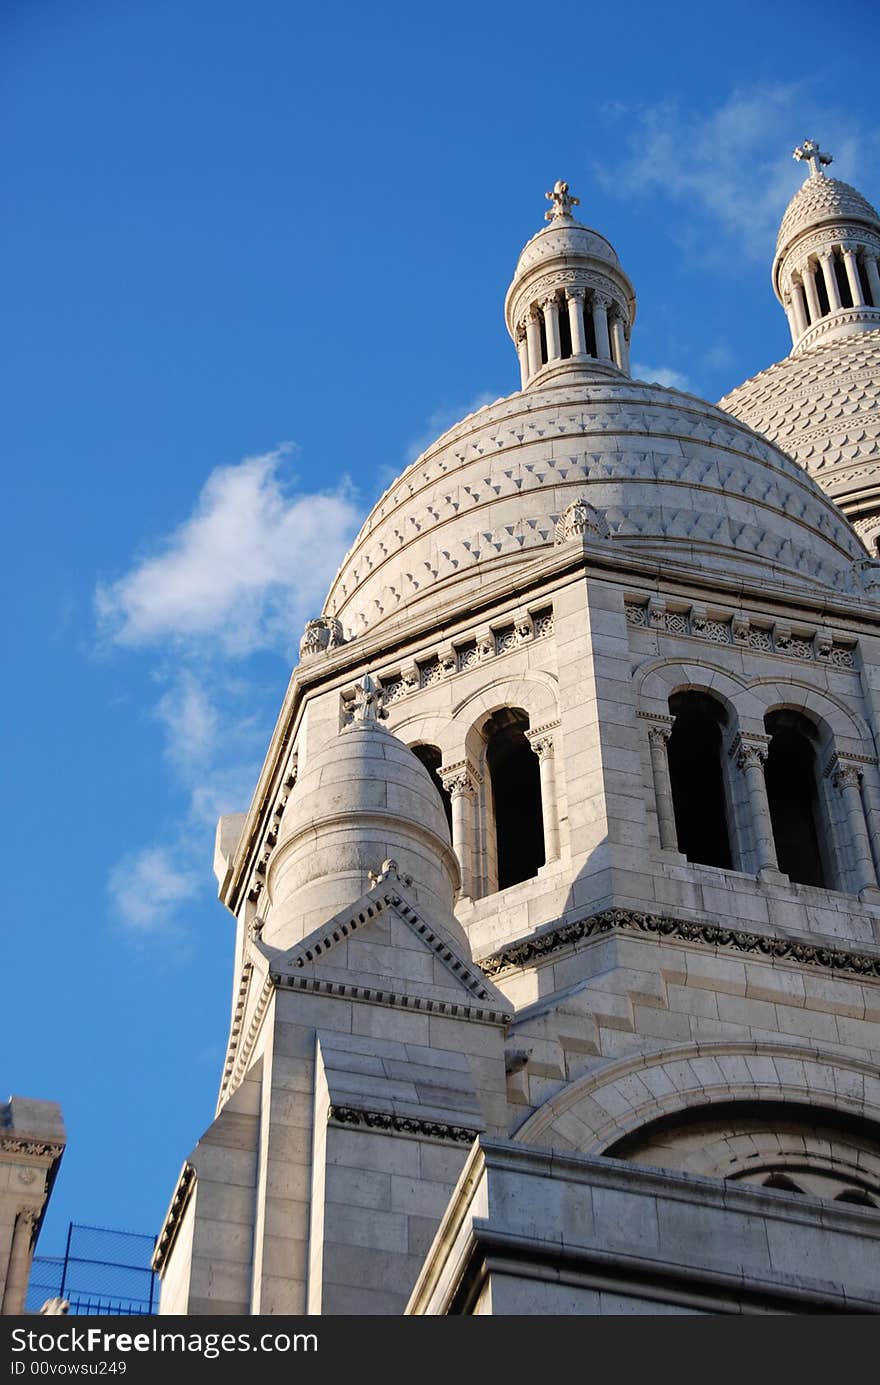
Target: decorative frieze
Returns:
[[710, 935], [737, 629], [448, 660], [402, 1125]]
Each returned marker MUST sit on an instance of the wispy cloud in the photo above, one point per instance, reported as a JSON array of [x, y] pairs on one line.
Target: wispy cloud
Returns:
[[235, 579], [147, 887], [732, 164], [245, 569], [662, 375]]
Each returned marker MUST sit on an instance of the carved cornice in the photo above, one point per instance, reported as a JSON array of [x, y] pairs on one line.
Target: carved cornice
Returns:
[[166, 1238], [403, 1125], [533, 950], [31, 1149], [393, 999]]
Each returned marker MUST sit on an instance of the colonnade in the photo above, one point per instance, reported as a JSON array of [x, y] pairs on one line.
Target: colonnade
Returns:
[[803, 304], [594, 325]]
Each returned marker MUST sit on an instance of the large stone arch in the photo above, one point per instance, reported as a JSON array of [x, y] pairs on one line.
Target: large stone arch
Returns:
[[535, 692], [604, 1106], [656, 682], [842, 725]]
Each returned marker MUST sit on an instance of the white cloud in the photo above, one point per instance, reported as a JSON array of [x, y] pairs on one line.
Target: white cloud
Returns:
[[244, 571], [190, 721], [662, 375], [147, 887], [733, 163]]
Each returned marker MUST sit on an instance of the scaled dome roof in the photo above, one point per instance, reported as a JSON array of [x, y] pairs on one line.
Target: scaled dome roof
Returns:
[[823, 408], [821, 199], [672, 476]]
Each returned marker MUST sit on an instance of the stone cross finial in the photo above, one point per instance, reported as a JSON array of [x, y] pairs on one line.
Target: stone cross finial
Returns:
[[814, 156], [562, 203]]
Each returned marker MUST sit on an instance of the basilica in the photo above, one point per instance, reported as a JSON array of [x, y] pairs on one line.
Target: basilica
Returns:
[[557, 955]]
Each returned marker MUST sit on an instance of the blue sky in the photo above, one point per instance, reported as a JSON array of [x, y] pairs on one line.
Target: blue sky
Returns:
[[255, 258]]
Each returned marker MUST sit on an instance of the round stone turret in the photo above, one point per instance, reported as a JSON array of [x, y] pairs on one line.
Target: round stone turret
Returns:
[[570, 307], [825, 271], [363, 806]]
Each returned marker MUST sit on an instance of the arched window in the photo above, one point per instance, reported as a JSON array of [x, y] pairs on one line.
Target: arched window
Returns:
[[792, 795], [697, 778], [431, 757], [515, 786]]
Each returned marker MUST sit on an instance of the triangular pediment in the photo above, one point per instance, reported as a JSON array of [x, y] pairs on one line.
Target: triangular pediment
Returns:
[[385, 948]]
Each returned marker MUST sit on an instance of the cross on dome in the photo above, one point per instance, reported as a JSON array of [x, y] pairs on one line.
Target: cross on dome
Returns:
[[814, 156], [562, 203]]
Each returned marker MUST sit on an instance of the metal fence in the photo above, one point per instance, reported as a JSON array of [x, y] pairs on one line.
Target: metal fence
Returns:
[[101, 1272]]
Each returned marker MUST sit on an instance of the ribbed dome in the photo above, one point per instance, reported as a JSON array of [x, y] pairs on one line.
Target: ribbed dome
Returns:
[[363, 798], [823, 408], [671, 475], [818, 200]]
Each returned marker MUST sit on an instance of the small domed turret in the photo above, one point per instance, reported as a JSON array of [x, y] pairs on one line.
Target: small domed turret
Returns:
[[825, 271], [570, 306], [362, 801]]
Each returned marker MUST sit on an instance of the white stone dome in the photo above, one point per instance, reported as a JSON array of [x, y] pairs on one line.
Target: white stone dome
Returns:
[[672, 476], [362, 799], [819, 200], [823, 408], [564, 237]]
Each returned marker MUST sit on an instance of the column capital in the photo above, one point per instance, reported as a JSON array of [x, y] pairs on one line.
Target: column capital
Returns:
[[576, 294], [601, 303], [747, 751], [460, 779], [550, 301], [846, 776], [659, 734], [534, 314], [541, 739]]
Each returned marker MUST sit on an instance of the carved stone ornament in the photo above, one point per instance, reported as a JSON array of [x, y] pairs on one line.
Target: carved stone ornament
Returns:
[[581, 520], [748, 754], [389, 870], [460, 778], [562, 201], [846, 777], [319, 636], [367, 705]]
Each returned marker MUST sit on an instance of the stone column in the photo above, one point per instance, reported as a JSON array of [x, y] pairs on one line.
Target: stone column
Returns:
[[551, 327], [873, 279], [830, 278], [533, 334], [750, 756], [575, 300], [19, 1268], [658, 738], [852, 274], [600, 308], [522, 350], [541, 741], [618, 341], [460, 781], [799, 306], [808, 275], [847, 779]]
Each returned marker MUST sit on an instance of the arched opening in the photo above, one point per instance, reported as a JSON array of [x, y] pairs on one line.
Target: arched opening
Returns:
[[822, 290], [792, 795], [697, 778], [589, 330], [431, 758], [780, 1181], [857, 1196], [865, 283], [515, 782], [564, 331], [544, 356]]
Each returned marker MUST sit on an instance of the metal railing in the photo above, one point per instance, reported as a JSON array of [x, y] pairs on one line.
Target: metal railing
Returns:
[[102, 1272]]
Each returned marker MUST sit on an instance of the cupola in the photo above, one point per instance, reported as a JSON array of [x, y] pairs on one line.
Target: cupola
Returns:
[[570, 307], [825, 271]]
